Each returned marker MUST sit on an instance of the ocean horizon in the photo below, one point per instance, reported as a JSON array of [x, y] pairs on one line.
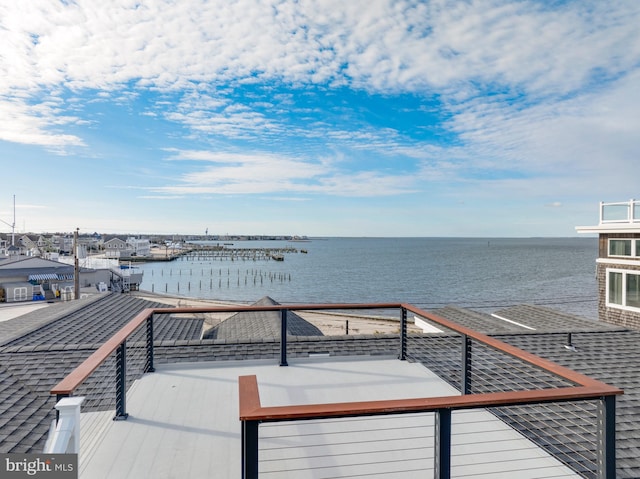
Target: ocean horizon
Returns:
[[484, 274]]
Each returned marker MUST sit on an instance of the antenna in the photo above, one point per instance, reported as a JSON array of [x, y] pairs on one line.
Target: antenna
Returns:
[[12, 226]]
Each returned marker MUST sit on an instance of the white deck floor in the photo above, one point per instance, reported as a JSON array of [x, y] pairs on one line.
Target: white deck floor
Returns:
[[184, 424]]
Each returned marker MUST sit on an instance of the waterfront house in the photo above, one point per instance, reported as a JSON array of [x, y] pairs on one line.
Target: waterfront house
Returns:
[[116, 248], [33, 278], [139, 246], [618, 262]]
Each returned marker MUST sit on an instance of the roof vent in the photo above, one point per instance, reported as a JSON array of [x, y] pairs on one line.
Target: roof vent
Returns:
[[569, 344]]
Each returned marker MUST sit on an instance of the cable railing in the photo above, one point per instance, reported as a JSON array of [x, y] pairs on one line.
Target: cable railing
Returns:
[[556, 384], [461, 356]]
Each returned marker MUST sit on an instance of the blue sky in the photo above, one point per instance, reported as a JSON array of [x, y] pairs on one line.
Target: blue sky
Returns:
[[320, 118]]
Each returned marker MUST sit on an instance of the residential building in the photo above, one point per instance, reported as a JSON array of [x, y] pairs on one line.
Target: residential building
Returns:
[[28, 246], [139, 246], [33, 278], [618, 262], [65, 244], [116, 248]]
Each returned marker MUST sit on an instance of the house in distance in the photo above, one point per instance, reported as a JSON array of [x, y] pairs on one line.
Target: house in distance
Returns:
[[618, 263]]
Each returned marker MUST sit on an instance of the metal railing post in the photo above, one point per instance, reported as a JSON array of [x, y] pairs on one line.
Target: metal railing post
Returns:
[[403, 334], [283, 337], [606, 437], [250, 449], [121, 382], [601, 212], [59, 397], [442, 437], [149, 367], [465, 386]]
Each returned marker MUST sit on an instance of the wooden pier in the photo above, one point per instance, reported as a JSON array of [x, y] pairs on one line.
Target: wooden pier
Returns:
[[214, 252]]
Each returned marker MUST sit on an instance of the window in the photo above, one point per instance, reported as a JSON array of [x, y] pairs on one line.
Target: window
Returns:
[[619, 247], [633, 290], [624, 247], [623, 289], [615, 288], [20, 294]]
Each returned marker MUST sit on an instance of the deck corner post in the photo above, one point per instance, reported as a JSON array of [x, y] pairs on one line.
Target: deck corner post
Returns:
[[465, 385], [60, 397], [442, 453], [606, 441], [149, 366], [249, 437], [283, 337], [403, 334], [121, 382]]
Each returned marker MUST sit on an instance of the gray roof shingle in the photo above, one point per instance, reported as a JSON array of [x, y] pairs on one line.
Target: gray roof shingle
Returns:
[[38, 350], [261, 325], [31, 363]]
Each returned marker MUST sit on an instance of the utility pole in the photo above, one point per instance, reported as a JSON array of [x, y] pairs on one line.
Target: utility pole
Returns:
[[76, 267], [12, 226]]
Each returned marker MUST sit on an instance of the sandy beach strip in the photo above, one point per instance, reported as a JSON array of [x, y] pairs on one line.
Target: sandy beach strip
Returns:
[[329, 322]]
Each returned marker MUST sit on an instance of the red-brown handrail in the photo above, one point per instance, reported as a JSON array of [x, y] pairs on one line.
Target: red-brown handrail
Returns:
[[513, 351], [586, 387], [71, 382], [82, 372], [252, 413], [251, 409], [89, 365]]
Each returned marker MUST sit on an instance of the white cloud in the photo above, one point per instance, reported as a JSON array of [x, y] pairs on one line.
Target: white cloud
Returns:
[[255, 173], [378, 45], [594, 132], [546, 115], [205, 114], [21, 122]]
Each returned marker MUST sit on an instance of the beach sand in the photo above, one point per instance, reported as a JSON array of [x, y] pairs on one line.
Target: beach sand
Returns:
[[330, 323]]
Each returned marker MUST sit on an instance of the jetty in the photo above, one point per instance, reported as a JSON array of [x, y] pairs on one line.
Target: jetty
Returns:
[[213, 252]]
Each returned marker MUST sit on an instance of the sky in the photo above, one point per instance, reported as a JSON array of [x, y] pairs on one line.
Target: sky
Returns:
[[319, 118]]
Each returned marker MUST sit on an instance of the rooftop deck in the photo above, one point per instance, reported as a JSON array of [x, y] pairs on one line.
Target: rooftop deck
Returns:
[[616, 217], [184, 423], [181, 416]]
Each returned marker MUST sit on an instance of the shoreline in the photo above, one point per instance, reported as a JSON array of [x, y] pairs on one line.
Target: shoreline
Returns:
[[330, 323]]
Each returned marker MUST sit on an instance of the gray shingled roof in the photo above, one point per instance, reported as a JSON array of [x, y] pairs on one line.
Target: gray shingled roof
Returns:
[[612, 357], [40, 348], [261, 325], [540, 318], [90, 321], [547, 320], [602, 351], [32, 363]]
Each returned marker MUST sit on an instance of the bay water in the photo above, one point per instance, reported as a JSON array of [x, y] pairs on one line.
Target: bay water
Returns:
[[484, 274]]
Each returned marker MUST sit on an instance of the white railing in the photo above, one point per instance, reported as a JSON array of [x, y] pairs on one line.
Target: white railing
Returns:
[[64, 433], [620, 212]]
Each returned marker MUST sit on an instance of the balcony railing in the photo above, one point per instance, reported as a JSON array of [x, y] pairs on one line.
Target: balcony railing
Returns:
[[136, 340], [621, 212]]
